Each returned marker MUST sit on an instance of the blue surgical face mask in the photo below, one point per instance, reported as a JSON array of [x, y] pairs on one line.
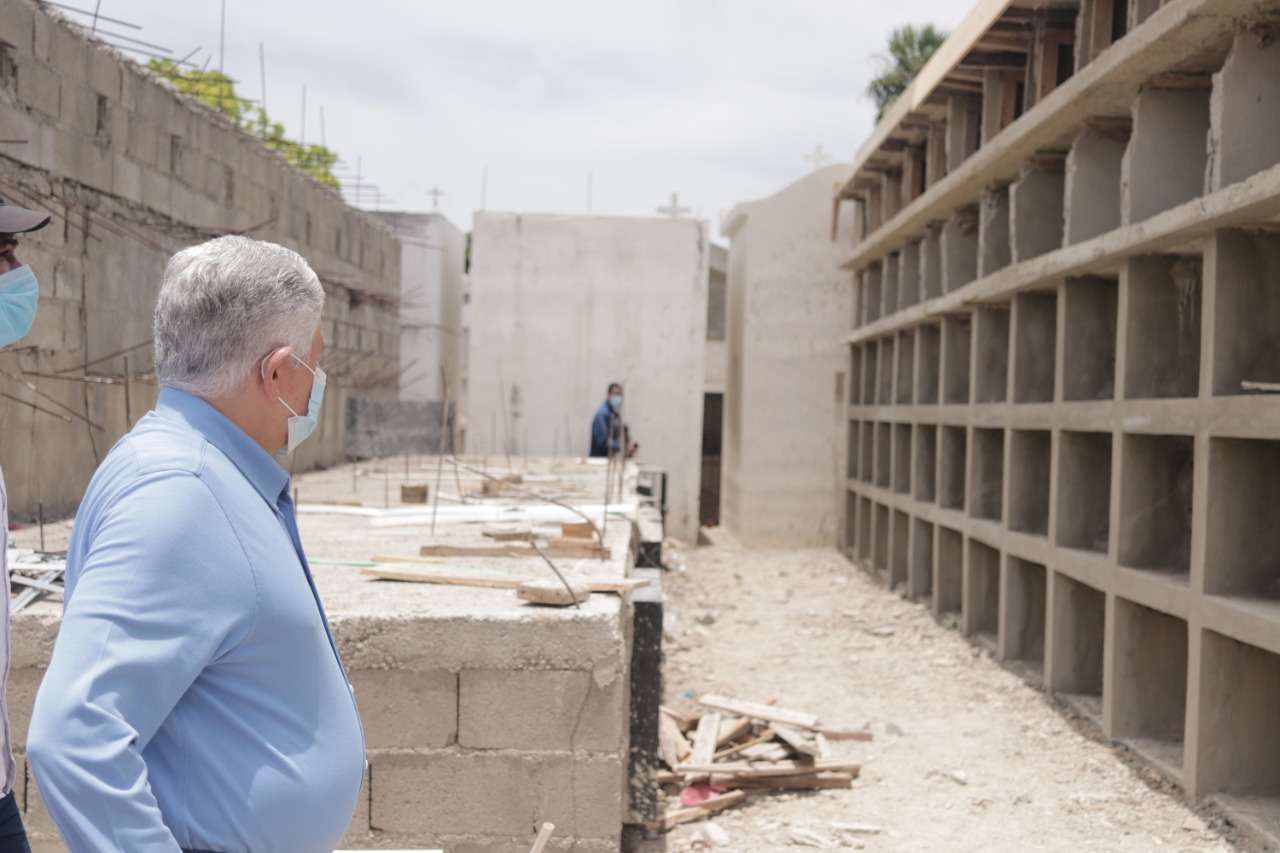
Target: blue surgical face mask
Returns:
[[301, 426], [19, 295], [615, 400]]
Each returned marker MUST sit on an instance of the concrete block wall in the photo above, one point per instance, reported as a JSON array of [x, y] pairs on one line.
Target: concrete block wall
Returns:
[[133, 171], [1057, 446]]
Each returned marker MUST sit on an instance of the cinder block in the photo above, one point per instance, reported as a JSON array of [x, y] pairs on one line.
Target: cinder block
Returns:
[[43, 26], [68, 55], [39, 88], [104, 72], [18, 124], [539, 709], [582, 798], [16, 22], [403, 708], [128, 179]]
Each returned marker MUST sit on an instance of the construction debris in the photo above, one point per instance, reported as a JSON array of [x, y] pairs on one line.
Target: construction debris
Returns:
[[721, 749]]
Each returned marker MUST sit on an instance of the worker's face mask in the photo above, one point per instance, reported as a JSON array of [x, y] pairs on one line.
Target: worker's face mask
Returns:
[[615, 400], [19, 296], [301, 426]]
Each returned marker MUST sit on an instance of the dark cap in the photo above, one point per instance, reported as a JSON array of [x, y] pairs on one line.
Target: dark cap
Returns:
[[16, 220]]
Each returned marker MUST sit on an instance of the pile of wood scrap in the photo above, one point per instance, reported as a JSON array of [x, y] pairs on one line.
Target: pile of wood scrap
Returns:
[[718, 750]]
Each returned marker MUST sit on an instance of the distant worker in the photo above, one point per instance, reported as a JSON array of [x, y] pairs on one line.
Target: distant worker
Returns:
[[195, 700], [19, 295], [608, 433]]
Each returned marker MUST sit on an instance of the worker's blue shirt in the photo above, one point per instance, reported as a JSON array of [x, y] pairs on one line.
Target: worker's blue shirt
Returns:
[[195, 697], [605, 426]]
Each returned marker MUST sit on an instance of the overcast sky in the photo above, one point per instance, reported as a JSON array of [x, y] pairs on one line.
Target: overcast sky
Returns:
[[718, 100]]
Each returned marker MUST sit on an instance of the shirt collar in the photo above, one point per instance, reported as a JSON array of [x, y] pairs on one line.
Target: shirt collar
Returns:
[[258, 467]]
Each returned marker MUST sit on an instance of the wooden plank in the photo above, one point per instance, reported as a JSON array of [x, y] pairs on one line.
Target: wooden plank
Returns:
[[732, 728], [704, 740], [704, 808], [766, 752], [784, 783], [553, 593], [760, 712], [467, 551], [799, 741], [682, 719], [494, 580], [759, 740], [672, 746], [771, 768], [392, 558], [500, 535], [844, 734], [577, 530]]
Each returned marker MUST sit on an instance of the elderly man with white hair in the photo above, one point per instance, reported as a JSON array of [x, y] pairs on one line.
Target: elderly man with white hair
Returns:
[[195, 700]]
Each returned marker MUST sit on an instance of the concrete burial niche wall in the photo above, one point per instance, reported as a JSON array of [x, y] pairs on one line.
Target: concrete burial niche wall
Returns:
[[794, 303], [564, 305], [132, 172]]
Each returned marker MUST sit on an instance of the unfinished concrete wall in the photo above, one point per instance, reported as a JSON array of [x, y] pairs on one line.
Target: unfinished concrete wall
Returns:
[[432, 258], [1095, 452], [785, 417], [564, 305], [133, 171]]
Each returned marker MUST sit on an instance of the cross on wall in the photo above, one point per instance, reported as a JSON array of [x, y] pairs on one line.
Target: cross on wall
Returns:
[[435, 193], [674, 210], [818, 158]]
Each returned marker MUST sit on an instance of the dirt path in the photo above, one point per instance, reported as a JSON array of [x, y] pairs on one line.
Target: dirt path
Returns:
[[966, 756]]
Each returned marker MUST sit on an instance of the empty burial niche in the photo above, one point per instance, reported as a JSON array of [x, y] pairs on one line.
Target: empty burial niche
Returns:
[[991, 354], [920, 576], [1156, 477], [951, 458], [890, 277], [959, 245], [1242, 538], [864, 528], [986, 479], [956, 337], [1149, 685], [982, 599], [1026, 598], [1074, 658], [1084, 490], [850, 522], [928, 363], [1035, 208], [1162, 326], [900, 550], [1165, 162], [867, 441], [855, 450], [1091, 198], [1245, 91], [884, 394], [931, 263], [1029, 470], [884, 454], [909, 276], [926, 464], [993, 231], [906, 368], [1035, 336], [881, 539], [1089, 339], [948, 575], [870, 372], [902, 458], [855, 375], [873, 307], [1238, 751], [1243, 268]]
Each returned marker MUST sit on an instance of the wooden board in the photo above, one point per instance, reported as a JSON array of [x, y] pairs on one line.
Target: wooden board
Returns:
[[672, 746], [553, 593], [514, 550], [704, 808], [491, 580], [784, 783], [800, 741], [771, 768], [577, 530], [760, 712], [844, 734], [732, 728], [704, 739], [523, 535]]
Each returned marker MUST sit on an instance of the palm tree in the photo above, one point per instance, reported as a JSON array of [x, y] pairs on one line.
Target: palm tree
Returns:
[[909, 50]]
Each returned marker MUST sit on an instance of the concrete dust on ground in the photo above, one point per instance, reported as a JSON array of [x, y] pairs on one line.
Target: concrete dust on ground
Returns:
[[965, 756]]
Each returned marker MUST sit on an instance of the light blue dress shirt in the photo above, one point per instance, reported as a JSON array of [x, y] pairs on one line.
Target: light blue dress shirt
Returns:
[[195, 698]]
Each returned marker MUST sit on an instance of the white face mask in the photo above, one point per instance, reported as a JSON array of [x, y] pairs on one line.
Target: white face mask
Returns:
[[19, 296], [299, 426]]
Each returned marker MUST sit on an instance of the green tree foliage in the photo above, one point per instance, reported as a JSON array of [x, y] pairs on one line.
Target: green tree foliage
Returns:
[[909, 49], [217, 90]]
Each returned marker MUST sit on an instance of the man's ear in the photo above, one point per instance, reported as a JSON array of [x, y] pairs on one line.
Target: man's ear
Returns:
[[271, 367]]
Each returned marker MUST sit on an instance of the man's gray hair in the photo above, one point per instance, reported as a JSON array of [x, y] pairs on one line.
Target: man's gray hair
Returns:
[[224, 306]]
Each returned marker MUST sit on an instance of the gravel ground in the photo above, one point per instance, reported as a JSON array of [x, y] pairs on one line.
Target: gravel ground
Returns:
[[966, 755]]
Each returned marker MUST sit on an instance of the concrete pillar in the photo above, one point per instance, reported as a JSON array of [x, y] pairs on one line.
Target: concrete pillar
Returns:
[[1242, 108], [1036, 210], [993, 231], [1091, 195], [994, 99], [964, 128], [959, 249], [1165, 162]]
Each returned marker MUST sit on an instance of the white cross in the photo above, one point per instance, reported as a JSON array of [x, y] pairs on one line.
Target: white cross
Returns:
[[675, 210], [435, 193], [818, 157]]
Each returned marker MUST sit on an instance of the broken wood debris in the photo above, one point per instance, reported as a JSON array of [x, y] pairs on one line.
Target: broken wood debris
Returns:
[[719, 749], [555, 548], [492, 580]]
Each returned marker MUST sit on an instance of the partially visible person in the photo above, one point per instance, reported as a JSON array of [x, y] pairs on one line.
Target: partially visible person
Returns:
[[195, 699], [19, 296], [609, 435]]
